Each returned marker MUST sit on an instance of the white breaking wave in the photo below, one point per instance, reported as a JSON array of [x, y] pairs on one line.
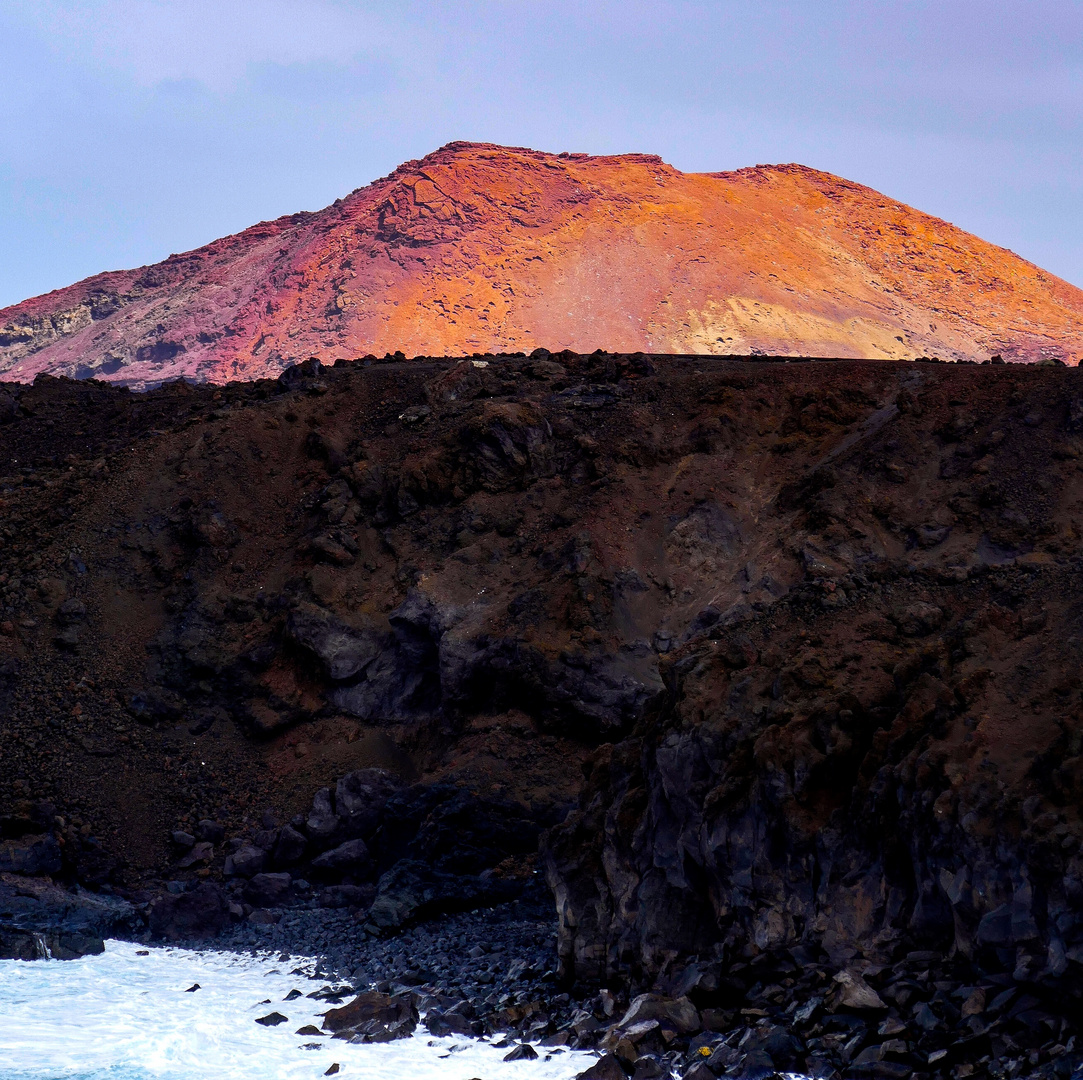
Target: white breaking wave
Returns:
[[122, 1016]]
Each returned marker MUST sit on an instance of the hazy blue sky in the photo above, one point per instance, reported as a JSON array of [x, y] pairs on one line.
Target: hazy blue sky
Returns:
[[130, 129]]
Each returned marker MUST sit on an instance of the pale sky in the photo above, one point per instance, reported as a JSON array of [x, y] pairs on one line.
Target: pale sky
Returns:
[[130, 129]]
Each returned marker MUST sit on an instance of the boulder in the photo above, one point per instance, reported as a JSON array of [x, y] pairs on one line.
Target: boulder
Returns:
[[67, 638], [505, 445], [412, 891], [268, 890], [360, 798], [608, 1067], [374, 1017], [404, 680], [322, 821], [451, 1023], [350, 857], [297, 374], [343, 651], [246, 861], [523, 1052], [21, 945], [650, 1068], [272, 1019], [680, 1012], [757, 1065], [200, 913], [289, 846], [70, 612], [64, 945], [701, 1071], [210, 831], [854, 993], [30, 855], [782, 1048], [995, 927], [202, 852]]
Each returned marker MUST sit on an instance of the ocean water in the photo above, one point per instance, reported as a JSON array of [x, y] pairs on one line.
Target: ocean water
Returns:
[[122, 1016]]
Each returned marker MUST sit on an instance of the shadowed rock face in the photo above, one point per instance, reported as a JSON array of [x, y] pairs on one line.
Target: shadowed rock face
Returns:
[[480, 248], [835, 776], [886, 759], [798, 642]]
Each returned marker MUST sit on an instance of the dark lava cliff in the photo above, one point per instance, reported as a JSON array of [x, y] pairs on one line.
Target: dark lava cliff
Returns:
[[772, 655]]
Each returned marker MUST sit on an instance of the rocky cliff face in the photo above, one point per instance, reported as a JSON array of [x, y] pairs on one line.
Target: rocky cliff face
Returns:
[[795, 642], [884, 760], [893, 776], [480, 248]]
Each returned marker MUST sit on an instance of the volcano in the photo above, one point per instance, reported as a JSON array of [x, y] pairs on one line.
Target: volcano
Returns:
[[488, 249]]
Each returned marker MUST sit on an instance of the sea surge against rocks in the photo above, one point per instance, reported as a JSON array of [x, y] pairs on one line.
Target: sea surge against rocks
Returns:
[[131, 1014]]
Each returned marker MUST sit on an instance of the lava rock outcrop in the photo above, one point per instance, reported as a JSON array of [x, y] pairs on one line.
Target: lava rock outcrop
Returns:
[[795, 643]]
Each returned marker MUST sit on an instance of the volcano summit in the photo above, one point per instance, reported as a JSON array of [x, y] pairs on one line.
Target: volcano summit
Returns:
[[480, 248]]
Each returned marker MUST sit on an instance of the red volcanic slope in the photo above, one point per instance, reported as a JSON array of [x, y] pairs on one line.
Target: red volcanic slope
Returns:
[[480, 248]]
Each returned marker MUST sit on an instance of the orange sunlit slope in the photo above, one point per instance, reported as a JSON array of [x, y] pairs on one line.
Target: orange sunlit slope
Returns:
[[481, 248]]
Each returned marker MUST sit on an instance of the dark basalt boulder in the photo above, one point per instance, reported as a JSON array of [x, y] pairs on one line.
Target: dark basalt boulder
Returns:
[[210, 831], [299, 374], [451, 1023], [360, 797], [343, 650], [607, 1067], [289, 846], [43, 919], [201, 913], [245, 862], [351, 857], [268, 890], [402, 680], [31, 855], [272, 1019], [523, 1052], [680, 1013], [21, 945], [412, 891], [373, 1017], [201, 853]]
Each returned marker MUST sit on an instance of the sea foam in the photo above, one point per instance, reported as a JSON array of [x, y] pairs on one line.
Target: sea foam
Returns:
[[123, 1016]]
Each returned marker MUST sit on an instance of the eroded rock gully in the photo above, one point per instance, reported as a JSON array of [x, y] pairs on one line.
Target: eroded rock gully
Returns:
[[778, 659]]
